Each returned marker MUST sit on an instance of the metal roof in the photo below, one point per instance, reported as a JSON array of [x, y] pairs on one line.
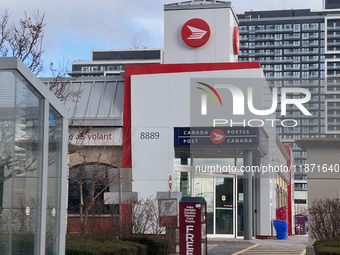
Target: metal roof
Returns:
[[197, 4], [100, 103]]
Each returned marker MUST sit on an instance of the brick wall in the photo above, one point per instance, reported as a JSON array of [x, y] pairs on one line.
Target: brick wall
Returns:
[[102, 224]]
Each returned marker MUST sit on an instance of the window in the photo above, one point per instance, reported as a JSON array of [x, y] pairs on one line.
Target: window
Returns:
[[296, 27], [278, 67], [277, 52], [305, 26], [314, 25], [260, 27], [300, 186], [296, 59], [305, 43], [300, 201], [85, 69], [94, 177], [296, 74], [252, 29], [287, 26], [278, 36], [243, 28]]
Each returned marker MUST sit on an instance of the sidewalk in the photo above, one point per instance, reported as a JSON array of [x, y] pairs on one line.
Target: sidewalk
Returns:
[[292, 245]]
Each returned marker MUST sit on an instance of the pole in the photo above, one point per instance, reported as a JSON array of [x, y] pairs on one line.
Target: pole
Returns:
[[120, 204], [247, 196]]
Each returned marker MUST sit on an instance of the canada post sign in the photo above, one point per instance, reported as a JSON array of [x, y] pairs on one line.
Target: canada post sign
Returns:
[[221, 136]]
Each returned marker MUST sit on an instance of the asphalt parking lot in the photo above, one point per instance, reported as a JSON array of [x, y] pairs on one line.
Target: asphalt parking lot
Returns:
[[292, 245]]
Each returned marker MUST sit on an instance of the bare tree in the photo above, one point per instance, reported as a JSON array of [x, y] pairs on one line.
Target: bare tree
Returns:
[[324, 218], [60, 85], [23, 40], [301, 209]]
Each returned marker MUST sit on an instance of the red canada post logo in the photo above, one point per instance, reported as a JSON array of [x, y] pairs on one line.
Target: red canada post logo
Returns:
[[195, 32], [217, 136]]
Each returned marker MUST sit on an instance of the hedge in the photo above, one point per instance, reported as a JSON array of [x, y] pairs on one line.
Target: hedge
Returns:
[[155, 245], [327, 247], [21, 244], [102, 245]]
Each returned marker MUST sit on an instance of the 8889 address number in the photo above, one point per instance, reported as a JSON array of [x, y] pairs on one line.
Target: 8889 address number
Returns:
[[149, 135]]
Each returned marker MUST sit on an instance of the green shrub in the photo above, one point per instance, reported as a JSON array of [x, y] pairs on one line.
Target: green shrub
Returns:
[[102, 245], [327, 247], [21, 243], [155, 245]]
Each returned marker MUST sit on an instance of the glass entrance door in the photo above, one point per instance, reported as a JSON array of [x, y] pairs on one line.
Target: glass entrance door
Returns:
[[219, 193], [224, 206]]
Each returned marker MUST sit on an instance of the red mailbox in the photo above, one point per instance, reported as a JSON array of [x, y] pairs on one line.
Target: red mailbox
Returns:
[[192, 226]]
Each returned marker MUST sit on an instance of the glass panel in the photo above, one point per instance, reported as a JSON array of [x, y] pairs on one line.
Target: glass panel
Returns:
[[224, 205], [54, 182], [21, 147], [214, 161], [204, 187], [184, 183], [7, 101]]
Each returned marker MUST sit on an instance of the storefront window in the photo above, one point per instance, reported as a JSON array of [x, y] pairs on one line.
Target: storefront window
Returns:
[[94, 177], [204, 187], [183, 183], [214, 162]]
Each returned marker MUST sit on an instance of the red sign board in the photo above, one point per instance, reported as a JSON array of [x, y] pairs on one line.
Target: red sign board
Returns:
[[170, 181], [195, 32], [190, 233]]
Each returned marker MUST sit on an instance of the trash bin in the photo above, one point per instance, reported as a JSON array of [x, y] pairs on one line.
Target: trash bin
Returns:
[[281, 228]]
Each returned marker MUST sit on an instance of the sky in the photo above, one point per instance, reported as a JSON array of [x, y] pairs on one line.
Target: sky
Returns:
[[75, 27]]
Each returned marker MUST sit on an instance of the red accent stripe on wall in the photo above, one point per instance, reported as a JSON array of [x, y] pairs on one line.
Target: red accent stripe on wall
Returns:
[[289, 188], [165, 68]]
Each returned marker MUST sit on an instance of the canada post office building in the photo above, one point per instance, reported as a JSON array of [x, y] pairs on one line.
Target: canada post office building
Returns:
[[204, 119]]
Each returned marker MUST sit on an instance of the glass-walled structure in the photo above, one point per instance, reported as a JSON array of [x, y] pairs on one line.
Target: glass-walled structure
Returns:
[[33, 170]]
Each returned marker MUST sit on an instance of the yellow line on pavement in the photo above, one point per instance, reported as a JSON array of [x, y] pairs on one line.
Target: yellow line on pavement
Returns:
[[303, 252], [251, 247]]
